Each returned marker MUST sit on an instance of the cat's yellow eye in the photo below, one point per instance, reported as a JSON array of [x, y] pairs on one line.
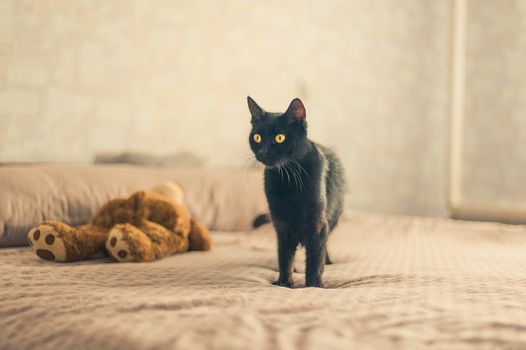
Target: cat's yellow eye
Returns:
[[280, 138], [257, 138]]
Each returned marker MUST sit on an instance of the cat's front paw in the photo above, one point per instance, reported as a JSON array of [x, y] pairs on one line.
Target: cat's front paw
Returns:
[[281, 283], [316, 283]]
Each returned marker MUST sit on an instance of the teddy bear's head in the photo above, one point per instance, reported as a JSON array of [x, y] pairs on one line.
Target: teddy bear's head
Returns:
[[119, 211], [171, 190]]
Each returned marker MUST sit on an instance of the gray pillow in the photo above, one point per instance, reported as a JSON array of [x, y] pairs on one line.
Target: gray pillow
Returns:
[[222, 199]]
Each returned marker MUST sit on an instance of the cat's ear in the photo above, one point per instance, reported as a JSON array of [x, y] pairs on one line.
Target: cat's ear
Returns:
[[296, 110], [256, 111]]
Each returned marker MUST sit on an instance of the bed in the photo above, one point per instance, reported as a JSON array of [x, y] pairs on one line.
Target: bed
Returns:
[[396, 282]]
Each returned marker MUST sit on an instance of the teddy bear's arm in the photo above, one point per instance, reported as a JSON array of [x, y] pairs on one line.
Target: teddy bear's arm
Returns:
[[147, 242]]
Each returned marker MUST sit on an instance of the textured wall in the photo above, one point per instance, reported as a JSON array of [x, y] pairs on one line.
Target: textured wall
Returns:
[[79, 77], [494, 156]]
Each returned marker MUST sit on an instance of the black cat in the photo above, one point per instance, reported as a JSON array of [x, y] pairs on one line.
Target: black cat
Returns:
[[304, 184]]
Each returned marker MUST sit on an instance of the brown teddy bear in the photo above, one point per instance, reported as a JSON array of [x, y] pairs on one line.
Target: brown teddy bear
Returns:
[[144, 227]]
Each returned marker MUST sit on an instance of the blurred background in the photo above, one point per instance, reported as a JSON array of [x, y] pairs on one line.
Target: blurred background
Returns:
[[424, 101]]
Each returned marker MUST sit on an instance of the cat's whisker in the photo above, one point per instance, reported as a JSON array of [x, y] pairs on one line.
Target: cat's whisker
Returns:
[[280, 169], [247, 159], [297, 178], [300, 178], [248, 163], [287, 169], [245, 163], [255, 164], [302, 169], [284, 167], [286, 172]]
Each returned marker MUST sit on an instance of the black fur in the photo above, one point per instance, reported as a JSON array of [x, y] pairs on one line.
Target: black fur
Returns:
[[304, 184]]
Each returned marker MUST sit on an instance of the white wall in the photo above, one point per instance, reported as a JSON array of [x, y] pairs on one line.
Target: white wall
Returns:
[[81, 77], [494, 157]]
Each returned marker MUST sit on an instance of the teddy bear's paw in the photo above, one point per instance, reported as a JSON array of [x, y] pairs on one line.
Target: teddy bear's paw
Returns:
[[47, 243], [126, 243], [117, 246]]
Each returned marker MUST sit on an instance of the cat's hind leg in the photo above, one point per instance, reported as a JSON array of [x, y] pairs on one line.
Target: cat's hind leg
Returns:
[[316, 247]]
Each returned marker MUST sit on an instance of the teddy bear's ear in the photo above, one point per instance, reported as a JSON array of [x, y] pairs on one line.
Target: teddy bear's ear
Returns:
[[135, 206], [137, 198], [172, 190]]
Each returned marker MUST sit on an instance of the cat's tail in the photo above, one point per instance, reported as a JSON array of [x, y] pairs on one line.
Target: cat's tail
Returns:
[[261, 220]]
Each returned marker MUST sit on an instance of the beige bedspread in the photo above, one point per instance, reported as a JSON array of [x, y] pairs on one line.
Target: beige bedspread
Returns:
[[397, 282]]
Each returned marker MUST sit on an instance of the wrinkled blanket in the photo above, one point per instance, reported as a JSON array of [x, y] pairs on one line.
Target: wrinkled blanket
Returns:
[[396, 282]]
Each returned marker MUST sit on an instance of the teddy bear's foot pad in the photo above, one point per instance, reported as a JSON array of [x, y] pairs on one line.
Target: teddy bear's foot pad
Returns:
[[127, 243], [47, 243], [117, 246]]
